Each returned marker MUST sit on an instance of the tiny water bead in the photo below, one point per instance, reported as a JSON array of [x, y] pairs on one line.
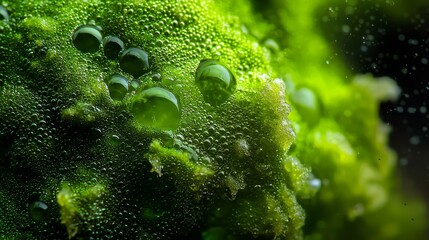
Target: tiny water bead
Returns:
[[134, 84], [118, 87], [156, 77], [87, 38], [112, 46], [215, 81], [4, 15], [134, 61], [38, 210], [157, 108]]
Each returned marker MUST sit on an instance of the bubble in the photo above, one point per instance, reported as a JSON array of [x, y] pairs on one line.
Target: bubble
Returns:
[[157, 108], [241, 148], [134, 84], [134, 61], [215, 81], [156, 77], [415, 140], [315, 183], [38, 211], [87, 38], [112, 46], [3, 14], [118, 87]]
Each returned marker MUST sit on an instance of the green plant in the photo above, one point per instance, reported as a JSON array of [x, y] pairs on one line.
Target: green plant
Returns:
[[139, 146]]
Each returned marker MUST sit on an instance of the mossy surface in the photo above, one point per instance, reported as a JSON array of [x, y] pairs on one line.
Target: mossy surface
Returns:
[[245, 168]]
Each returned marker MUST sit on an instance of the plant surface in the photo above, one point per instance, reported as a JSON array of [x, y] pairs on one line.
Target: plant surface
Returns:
[[179, 126]]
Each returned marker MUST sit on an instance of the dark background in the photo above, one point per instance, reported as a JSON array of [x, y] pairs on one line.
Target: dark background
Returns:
[[383, 41]]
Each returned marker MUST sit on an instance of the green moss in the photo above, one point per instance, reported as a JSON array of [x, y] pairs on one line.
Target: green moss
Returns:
[[245, 167], [176, 161]]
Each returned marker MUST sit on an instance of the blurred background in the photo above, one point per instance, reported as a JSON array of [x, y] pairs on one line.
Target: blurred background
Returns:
[[390, 38]]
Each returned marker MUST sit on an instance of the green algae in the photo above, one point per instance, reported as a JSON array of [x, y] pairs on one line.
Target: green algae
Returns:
[[246, 168]]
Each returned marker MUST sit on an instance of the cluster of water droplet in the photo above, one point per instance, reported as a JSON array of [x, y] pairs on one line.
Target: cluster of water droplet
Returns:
[[153, 107]]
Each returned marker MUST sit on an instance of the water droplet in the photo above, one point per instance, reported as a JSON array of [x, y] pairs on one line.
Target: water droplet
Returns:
[[87, 38], [158, 108], [118, 87], [156, 77], [134, 84], [215, 81], [38, 210], [3, 14], [112, 47], [134, 61]]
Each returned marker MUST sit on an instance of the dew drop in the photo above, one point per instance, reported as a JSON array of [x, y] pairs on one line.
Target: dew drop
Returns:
[[134, 61], [118, 87], [38, 211], [87, 38], [215, 81], [112, 47], [157, 108], [134, 84]]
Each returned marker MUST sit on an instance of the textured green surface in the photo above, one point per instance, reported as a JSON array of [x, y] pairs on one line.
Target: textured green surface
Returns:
[[247, 168]]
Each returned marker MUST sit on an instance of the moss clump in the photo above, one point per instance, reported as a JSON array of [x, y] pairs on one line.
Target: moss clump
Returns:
[[242, 168]]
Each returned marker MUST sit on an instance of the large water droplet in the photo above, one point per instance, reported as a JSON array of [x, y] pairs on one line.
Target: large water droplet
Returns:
[[118, 87], [38, 210], [87, 38], [157, 108], [134, 61], [112, 47], [3, 14], [215, 81]]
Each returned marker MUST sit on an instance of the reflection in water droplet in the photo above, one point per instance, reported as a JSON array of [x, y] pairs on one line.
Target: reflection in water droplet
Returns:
[[112, 47], [38, 211], [134, 61], [215, 81], [118, 87], [87, 38], [158, 108]]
